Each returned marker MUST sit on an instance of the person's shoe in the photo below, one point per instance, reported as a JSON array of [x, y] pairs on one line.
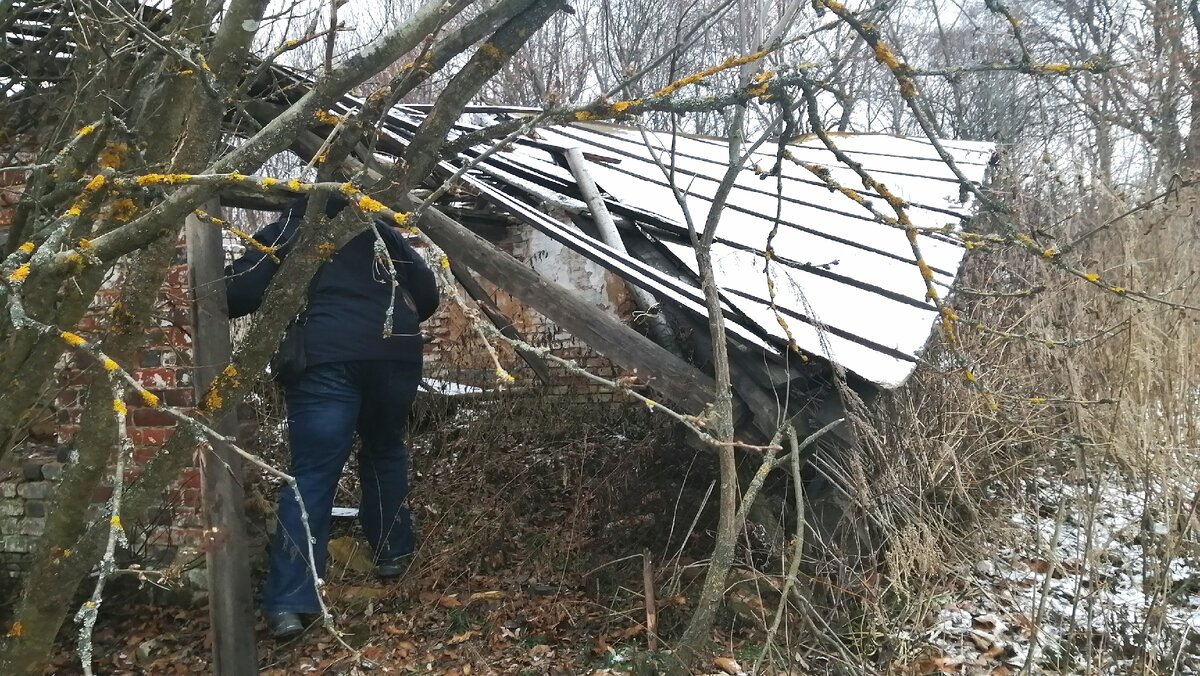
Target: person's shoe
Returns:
[[393, 568], [283, 625]]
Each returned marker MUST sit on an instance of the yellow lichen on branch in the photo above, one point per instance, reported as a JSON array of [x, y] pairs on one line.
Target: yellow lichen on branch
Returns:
[[72, 339], [19, 274], [26, 248], [95, 184], [732, 62], [622, 106], [228, 378], [162, 179], [885, 56], [369, 205], [119, 407], [326, 117], [149, 398]]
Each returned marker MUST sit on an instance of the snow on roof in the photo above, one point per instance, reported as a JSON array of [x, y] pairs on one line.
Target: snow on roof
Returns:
[[846, 286]]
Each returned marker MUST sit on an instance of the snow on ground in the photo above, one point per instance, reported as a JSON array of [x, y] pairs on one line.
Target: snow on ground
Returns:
[[1095, 568]]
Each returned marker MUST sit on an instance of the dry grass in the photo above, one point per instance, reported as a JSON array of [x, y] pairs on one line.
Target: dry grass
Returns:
[[1091, 390]]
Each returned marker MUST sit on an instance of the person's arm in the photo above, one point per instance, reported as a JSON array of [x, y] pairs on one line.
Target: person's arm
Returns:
[[246, 279]]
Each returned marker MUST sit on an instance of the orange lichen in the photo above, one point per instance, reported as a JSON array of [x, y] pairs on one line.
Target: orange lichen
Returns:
[[732, 62], [622, 106], [19, 274], [926, 272], [95, 184], [113, 155], [369, 204], [326, 117], [885, 56], [122, 210], [162, 179]]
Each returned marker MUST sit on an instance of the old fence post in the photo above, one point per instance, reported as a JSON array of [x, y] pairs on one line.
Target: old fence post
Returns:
[[231, 609]]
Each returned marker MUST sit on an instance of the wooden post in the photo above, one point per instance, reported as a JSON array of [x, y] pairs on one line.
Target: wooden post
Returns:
[[660, 331], [230, 605]]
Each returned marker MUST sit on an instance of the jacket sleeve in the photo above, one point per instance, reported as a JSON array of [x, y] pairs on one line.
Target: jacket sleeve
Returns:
[[246, 279]]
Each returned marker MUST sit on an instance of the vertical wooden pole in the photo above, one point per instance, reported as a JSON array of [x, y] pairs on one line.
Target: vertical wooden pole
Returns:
[[231, 609], [660, 330]]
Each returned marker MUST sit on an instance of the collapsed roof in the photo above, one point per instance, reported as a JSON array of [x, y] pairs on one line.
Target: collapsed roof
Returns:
[[846, 287], [799, 265]]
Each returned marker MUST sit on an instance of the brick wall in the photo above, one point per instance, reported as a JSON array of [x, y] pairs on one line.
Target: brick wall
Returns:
[[456, 355], [163, 367]]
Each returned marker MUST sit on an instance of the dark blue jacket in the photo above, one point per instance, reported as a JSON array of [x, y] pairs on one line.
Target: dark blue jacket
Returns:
[[348, 298]]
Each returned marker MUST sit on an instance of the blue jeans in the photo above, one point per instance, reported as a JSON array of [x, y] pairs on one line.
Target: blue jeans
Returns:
[[324, 408]]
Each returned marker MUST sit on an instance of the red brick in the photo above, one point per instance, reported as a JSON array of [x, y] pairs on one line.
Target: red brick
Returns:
[[149, 417], [184, 497], [189, 478], [178, 277], [66, 433], [178, 397], [150, 436], [68, 398], [155, 378]]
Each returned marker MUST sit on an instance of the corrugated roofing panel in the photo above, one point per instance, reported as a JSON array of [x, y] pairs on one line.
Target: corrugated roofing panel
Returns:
[[859, 300]]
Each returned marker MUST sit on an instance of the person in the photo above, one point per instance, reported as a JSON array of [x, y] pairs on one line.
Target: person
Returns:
[[353, 379]]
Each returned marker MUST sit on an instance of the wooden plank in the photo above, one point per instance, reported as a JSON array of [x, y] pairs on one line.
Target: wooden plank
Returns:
[[676, 380], [231, 609]]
